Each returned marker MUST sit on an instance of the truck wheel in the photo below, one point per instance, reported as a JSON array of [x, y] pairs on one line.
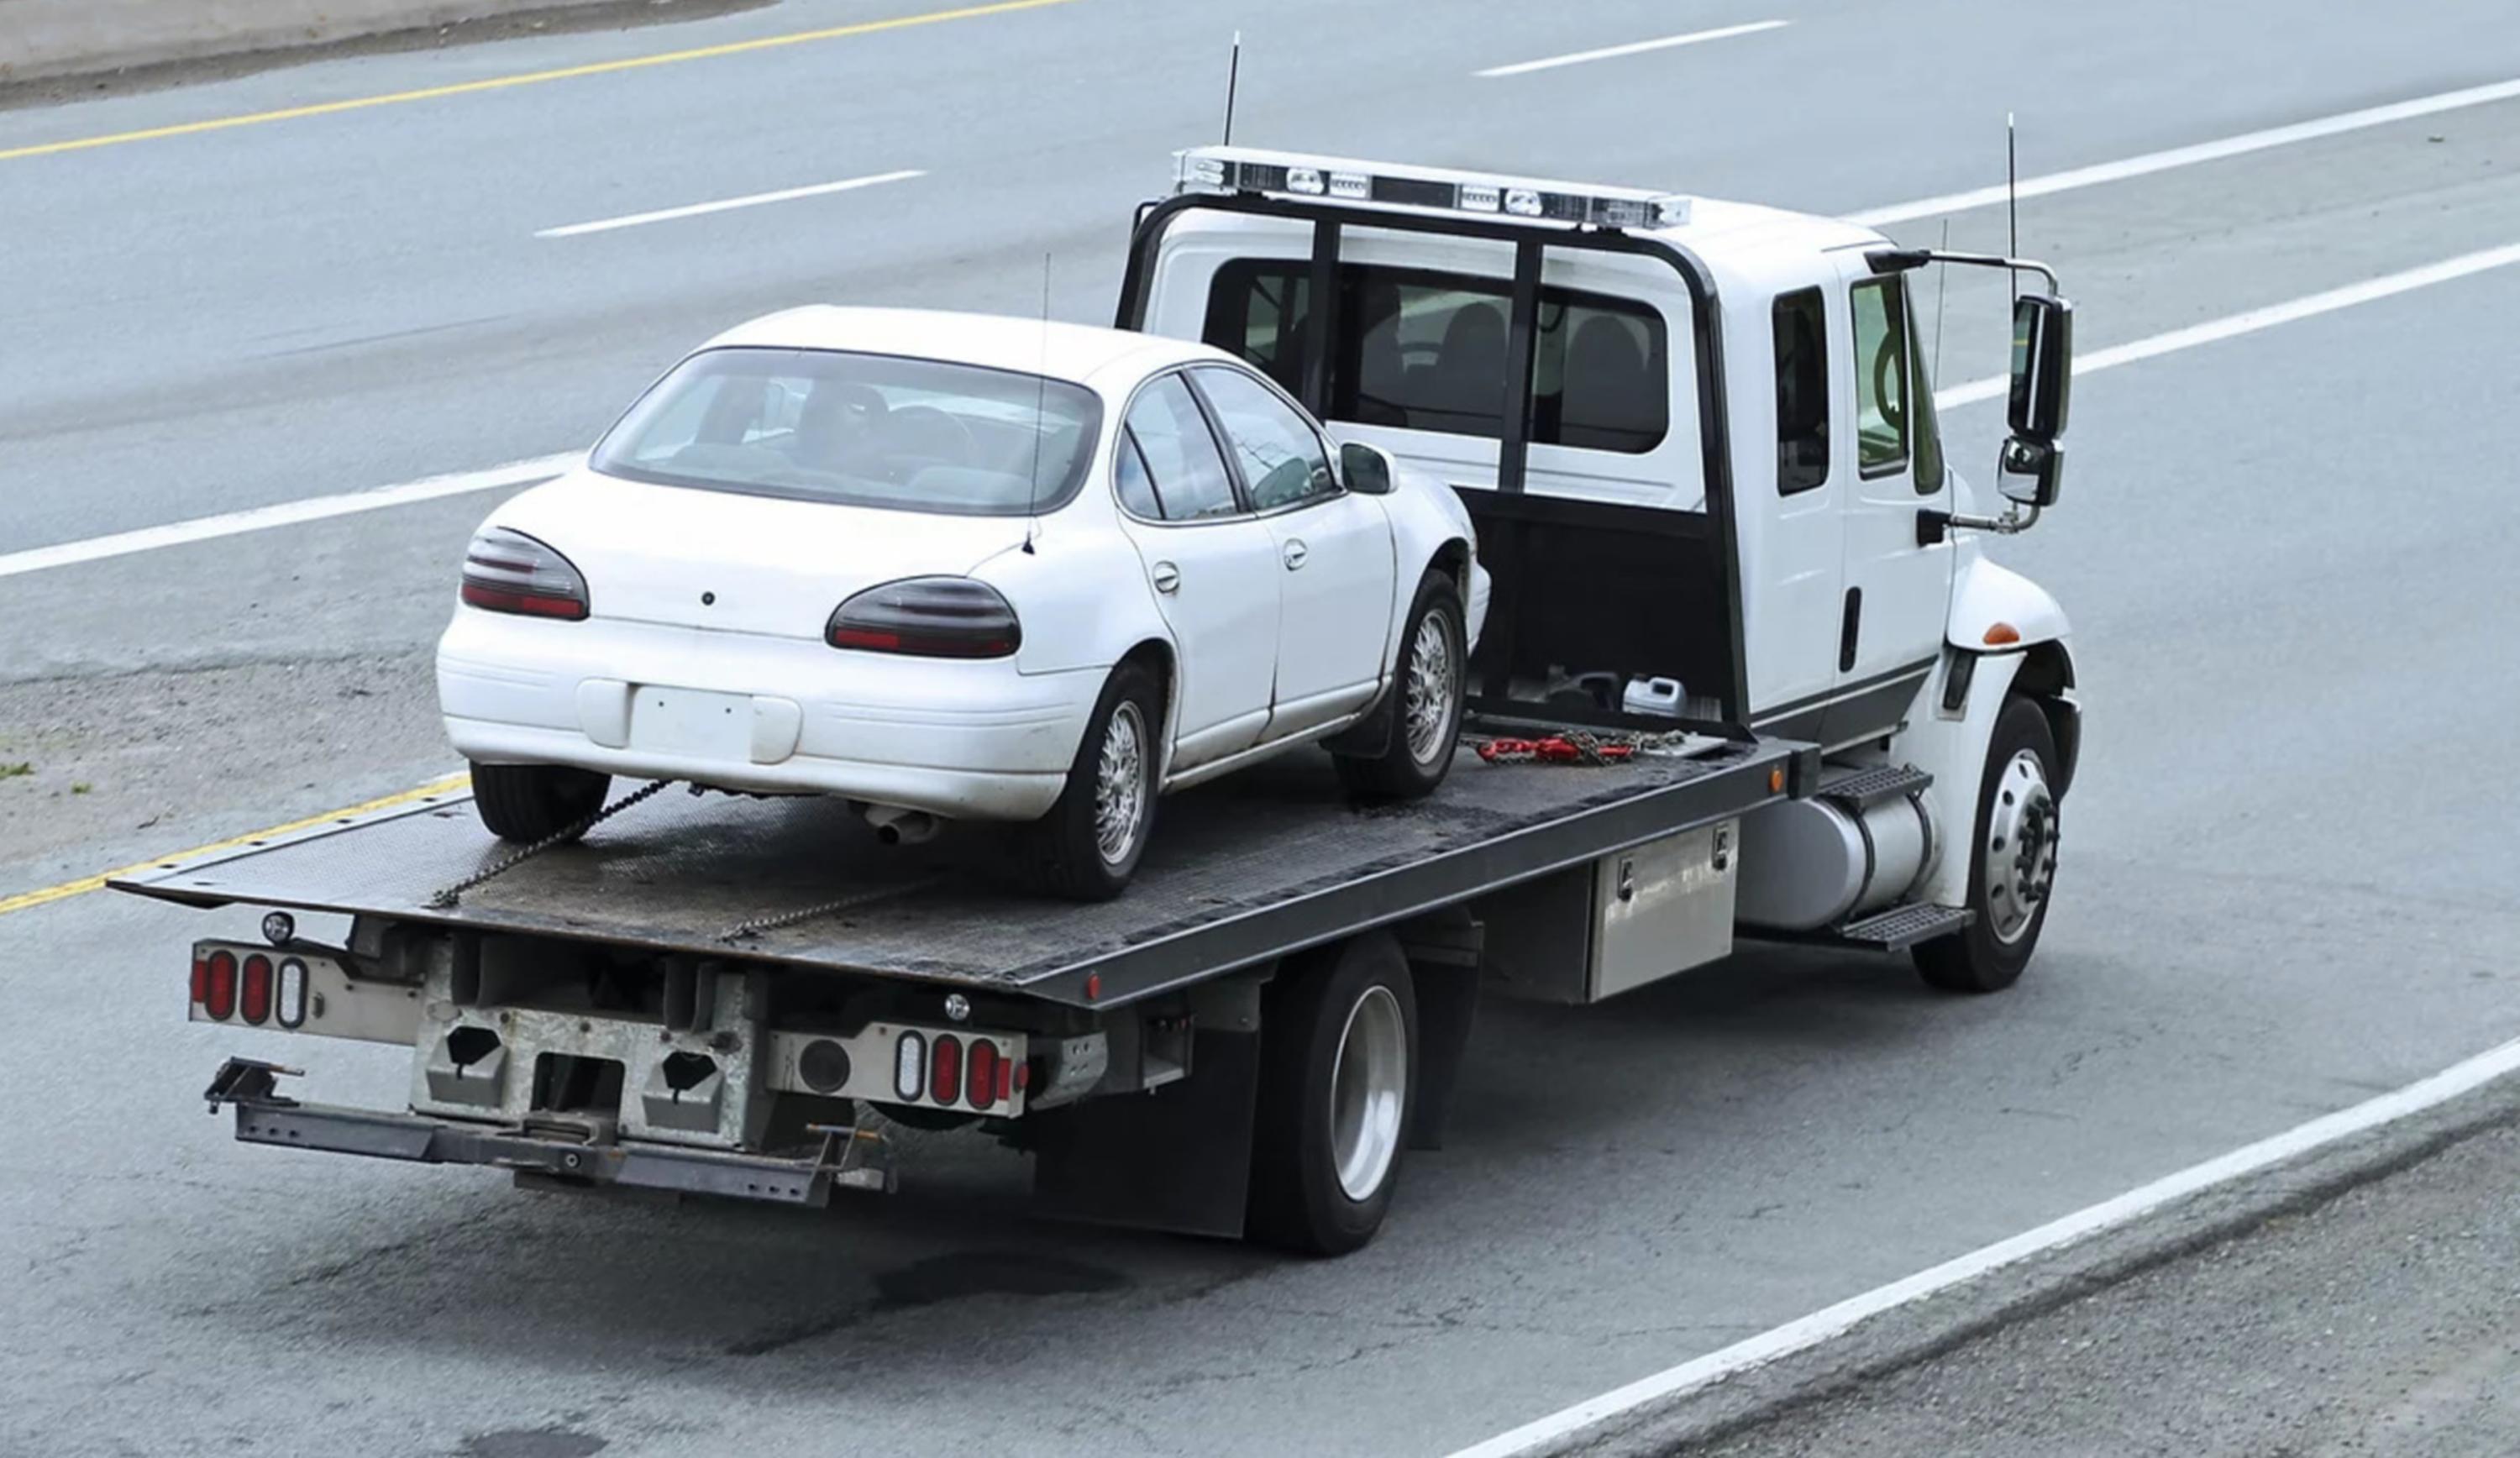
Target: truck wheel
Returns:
[[1338, 1070], [535, 802], [1089, 845], [1428, 677], [2013, 866]]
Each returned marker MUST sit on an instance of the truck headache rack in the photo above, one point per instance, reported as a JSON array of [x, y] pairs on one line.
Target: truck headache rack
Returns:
[[1253, 867], [1551, 606]]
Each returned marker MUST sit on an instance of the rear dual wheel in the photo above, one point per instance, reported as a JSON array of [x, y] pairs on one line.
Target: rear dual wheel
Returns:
[[1339, 1083]]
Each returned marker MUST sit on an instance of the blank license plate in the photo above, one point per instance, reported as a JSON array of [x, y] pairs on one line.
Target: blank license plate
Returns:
[[687, 721]]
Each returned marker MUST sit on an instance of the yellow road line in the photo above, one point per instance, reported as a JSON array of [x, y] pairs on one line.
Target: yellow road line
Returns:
[[526, 79], [85, 884]]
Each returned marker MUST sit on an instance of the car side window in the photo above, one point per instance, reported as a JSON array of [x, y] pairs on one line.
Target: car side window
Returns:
[[1282, 457], [1802, 391], [1129, 478], [1880, 376], [1186, 473]]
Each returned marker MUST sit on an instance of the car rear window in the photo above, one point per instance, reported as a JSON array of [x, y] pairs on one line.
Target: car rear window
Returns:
[[861, 431]]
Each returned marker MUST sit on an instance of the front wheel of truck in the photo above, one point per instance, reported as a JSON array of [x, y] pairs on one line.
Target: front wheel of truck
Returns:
[[1338, 1084], [2012, 860]]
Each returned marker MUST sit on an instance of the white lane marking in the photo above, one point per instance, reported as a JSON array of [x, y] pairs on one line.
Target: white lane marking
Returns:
[[729, 204], [1807, 1332], [1634, 48], [287, 513], [2188, 156], [2254, 320]]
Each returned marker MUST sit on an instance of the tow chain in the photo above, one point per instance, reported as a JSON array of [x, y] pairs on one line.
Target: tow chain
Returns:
[[446, 896], [745, 931], [1576, 747]]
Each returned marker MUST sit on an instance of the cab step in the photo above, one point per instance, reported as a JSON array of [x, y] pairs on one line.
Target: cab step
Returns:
[[1902, 927], [1857, 789]]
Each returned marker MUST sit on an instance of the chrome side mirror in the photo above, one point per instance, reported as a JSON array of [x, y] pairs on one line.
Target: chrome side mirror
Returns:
[[2029, 473]]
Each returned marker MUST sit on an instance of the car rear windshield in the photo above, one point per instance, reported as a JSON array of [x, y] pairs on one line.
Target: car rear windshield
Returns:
[[861, 431]]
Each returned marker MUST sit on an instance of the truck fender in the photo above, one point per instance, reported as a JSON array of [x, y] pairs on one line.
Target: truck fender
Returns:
[[1951, 746], [1987, 594]]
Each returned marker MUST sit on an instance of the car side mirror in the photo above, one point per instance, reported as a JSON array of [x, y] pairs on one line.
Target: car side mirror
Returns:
[[1368, 468], [2043, 367], [2029, 472]]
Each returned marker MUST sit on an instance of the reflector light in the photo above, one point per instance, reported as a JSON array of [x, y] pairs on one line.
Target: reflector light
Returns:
[[218, 1000], [254, 1006], [986, 1068], [1243, 169], [2002, 634], [910, 1066], [1023, 1074], [290, 1005], [945, 1069], [507, 571]]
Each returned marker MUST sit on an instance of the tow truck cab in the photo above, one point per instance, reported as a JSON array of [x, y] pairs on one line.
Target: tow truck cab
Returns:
[[1700, 445]]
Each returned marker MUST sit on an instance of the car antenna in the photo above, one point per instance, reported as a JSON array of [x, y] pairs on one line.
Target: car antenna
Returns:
[[1039, 413], [1232, 74], [2011, 200], [1942, 286]]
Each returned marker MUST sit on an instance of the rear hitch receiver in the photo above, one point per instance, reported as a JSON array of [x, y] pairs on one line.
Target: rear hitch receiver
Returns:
[[251, 1082]]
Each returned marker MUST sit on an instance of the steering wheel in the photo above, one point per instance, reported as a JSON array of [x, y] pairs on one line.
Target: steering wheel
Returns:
[[838, 414], [1886, 383], [928, 433]]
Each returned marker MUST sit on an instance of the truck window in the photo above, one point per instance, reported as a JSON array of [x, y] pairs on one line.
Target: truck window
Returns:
[[1929, 426], [1425, 350], [1189, 479], [1801, 323], [1880, 376]]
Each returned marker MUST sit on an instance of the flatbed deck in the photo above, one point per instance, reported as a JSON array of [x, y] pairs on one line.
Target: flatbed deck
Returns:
[[1262, 864]]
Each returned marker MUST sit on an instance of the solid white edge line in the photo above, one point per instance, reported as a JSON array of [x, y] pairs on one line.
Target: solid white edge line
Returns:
[[287, 513], [2185, 157], [1810, 1330], [729, 204], [1634, 48], [2251, 321]]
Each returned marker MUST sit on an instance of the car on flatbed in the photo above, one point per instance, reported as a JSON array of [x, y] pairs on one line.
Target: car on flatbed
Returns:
[[1747, 673], [950, 567]]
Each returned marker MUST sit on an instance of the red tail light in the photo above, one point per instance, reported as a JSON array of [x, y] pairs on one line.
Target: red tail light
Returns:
[[945, 1070], [256, 1002], [200, 978], [507, 571], [927, 617], [219, 994], [985, 1070]]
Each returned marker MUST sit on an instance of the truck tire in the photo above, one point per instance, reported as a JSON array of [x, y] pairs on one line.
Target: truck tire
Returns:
[[1090, 843], [2012, 860], [1429, 675], [531, 803], [1339, 1083]]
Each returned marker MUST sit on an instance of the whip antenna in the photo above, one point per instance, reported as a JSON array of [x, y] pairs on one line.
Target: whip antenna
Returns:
[[1232, 74], [2012, 200], [1942, 286], [1040, 410]]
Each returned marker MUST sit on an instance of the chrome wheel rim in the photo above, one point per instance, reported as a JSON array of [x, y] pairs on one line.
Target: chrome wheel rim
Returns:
[[1120, 784], [2020, 848], [1369, 1092], [1428, 697]]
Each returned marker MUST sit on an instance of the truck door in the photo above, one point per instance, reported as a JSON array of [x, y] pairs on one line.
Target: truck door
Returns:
[[1897, 593]]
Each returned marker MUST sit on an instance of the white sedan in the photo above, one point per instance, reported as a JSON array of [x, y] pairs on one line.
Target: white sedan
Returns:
[[960, 568]]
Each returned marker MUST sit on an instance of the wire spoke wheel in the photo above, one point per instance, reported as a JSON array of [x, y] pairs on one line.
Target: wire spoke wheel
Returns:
[[1428, 699], [1120, 784], [1369, 1092]]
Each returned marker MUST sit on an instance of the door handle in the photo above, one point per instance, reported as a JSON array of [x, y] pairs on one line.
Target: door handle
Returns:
[[1296, 552], [1167, 577]]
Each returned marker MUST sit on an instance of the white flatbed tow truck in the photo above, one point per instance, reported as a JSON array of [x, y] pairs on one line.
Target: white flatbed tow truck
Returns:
[[1746, 673]]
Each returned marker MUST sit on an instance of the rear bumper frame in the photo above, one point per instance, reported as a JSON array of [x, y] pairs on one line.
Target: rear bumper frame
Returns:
[[568, 1152]]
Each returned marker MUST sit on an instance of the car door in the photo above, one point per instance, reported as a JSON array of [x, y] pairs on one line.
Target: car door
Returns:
[[1898, 589], [1213, 566], [1334, 552]]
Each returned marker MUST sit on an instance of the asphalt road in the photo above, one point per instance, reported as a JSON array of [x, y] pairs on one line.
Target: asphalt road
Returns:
[[2286, 554]]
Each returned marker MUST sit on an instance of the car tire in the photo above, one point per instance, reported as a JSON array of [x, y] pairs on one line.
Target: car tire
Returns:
[[1090, 843], [1429, 675], [1338, 1084], [532, 803], [2012, 860]]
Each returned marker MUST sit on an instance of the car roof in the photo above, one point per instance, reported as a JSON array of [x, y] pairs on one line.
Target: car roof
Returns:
[[1082, 353]]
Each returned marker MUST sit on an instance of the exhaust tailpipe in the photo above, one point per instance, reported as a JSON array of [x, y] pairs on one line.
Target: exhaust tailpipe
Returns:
[[895, 826]]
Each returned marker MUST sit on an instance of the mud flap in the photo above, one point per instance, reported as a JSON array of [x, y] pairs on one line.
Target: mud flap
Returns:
[[1447, 999], [1178, 1159]]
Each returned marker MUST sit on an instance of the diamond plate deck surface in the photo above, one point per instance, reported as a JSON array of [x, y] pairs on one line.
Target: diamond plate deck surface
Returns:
[[684, 873]]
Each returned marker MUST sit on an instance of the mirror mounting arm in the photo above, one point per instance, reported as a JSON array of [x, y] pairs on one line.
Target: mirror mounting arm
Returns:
[[2013, 522], [1900, 260]]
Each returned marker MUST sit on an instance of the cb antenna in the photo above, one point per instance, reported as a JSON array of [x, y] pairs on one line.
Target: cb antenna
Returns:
[[1039, 413], [2012, 200], [1232, 74]]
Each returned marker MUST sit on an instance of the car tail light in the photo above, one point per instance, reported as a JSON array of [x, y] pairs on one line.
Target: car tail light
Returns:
[[254, 1003], [289, 998], [507, 571], [945, 1076], [219, 987], [985, 1070], [927, 617]]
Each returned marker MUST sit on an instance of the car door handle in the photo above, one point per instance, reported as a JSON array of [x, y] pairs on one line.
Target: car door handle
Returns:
[[1296, 552], [1167, 577]]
